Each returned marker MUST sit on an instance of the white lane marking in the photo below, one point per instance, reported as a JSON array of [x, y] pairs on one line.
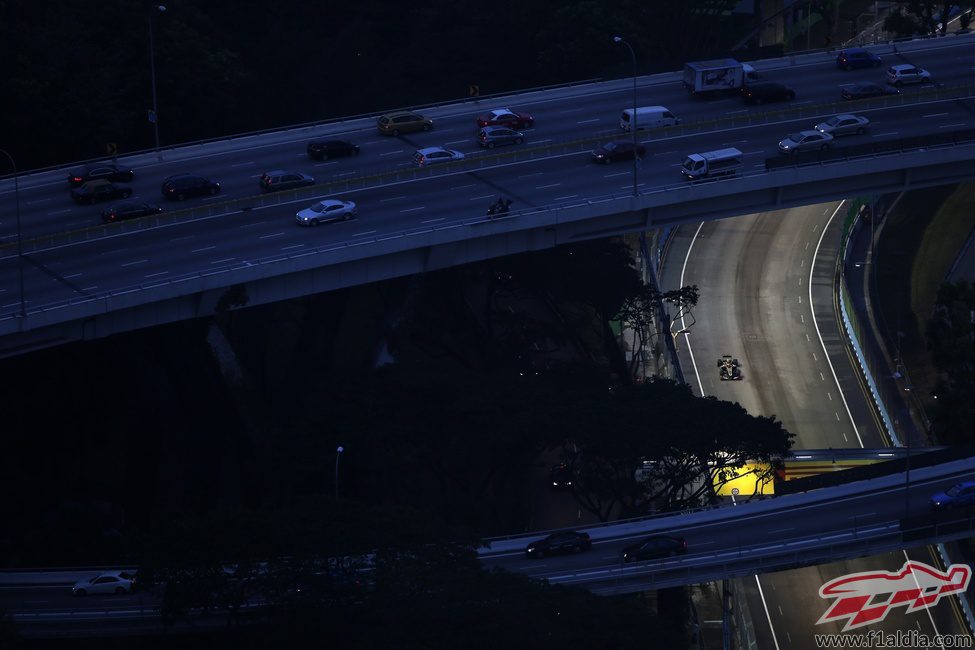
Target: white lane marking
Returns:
[[883, 135], [152, 275], [73, 275], [935, 115], [780, 530], [134, 263], [951, 126], [587, 121], [683, 325], [35, 201], [324, 164], [822, 377], [433, 220], [463, 187], [243, 164], [226, 259], [393, 153], [546, 187], [768, 616], [276, 234], [59, 212], [563, 198], [456, 142], [181, 238], [482, 197], [627, 173], [422, 207], [829, 395], [394, 198], [812, 266], [200, 250], [532, 174], [284, 248], [368, 232]]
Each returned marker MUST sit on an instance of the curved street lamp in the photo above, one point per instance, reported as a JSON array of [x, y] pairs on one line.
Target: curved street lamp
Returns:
[[633, 122], [338, 454], [20, 250], [154, 118]]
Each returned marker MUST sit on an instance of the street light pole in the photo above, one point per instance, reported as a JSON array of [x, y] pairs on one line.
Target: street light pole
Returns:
[[338, 454], [20, 249], [633, 122], [152, 74]]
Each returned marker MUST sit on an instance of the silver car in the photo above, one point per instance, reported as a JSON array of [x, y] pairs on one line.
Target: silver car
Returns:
[[805, 141], [845, 124], [907, 74], [326, 210], [491, 136], [110, 582], [434, 155]]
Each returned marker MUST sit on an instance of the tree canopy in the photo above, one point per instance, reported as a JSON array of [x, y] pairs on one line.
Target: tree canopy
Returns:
[[951, 340]]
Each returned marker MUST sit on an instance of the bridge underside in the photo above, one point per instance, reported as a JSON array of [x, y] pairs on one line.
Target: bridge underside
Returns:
[[264, 281]]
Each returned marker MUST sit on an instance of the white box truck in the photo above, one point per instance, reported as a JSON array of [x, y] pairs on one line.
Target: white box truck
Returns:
[[712, 163], [719, 75]]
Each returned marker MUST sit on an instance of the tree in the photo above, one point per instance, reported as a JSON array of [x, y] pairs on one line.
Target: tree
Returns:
[[689, 444], [921, 17], [951, 339]]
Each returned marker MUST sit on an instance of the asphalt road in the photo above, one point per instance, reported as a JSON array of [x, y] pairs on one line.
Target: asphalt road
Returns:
[[547, 170], [766, 297]]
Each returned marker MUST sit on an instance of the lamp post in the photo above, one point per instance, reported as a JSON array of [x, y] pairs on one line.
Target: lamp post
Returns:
[[618, 39], [20, 250], [154, 118], [338, 454]]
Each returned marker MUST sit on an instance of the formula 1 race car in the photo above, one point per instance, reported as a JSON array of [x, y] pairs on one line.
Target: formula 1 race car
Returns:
[[729, 368]]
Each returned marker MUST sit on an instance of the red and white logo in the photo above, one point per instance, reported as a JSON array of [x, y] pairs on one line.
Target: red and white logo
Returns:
[[867, 597]]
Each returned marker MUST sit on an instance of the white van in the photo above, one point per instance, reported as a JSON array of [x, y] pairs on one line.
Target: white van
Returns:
[[648, 117], [712, 163]]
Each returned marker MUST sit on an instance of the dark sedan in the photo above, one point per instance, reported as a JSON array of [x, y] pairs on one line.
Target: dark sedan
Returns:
[[866, 89], [614, 151], [95, 191], [123, 211], [181, 186], [569, 541], [331, 149], [767, 91], [655, 547], [505, 117], [113, 173]]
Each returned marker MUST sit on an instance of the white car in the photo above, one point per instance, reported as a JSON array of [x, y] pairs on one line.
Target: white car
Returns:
[[434, 155], [805, 141], [110, 582], [907, 74], [326, 210], [845, 124]]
